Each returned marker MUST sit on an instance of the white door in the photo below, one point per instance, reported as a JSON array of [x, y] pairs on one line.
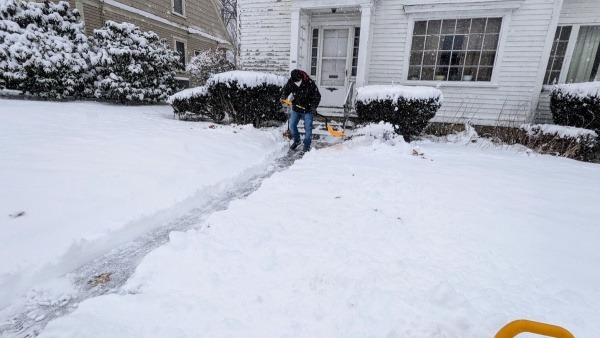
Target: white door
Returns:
[[334, 63]]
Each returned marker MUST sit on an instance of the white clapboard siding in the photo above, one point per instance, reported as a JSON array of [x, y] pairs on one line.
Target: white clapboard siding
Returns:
[[508, 102], [573, 12], [585, 12], [265, 35]]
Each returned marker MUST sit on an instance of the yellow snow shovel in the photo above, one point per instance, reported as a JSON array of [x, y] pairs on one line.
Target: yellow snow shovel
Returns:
[[330, 129]]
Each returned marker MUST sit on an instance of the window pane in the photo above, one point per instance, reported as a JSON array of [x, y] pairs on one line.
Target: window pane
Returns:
[[178, 6], [432, 42], [433, 26], [561, 48], [455, 74], [493, 25], [459, 42], [557, 64], [586, 57], [448, 26], [446, 42], [565, 32], [416, 58], [427, 73], [484, 74], [478, 26], [462, 26], [490, 41], [420, 27], [475, 42], [458, 58], [429, 58], [414, 73], [472, 58], [418, 43], [487, 58]]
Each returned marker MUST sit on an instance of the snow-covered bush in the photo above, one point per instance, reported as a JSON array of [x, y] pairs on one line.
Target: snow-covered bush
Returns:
[[194, 103], [409, 109], [43, 48], [247, 97], [207, 63], [131, 65], [576, 105]]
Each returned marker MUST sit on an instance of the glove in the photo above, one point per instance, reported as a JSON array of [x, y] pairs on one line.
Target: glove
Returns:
[[286, 102]]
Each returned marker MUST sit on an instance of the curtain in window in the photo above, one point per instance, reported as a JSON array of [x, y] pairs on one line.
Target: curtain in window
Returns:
[[584, 65]]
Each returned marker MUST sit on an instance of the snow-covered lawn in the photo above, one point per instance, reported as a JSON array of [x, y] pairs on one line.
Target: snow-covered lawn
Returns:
[[371, 237], [90, 176]]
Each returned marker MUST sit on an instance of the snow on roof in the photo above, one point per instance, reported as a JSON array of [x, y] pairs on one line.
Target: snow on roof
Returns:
[[579, 89], [561, 131], [247, 78], [188, 93], [391, 92]]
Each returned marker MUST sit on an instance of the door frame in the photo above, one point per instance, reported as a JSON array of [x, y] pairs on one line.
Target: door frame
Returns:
[[349, 49]]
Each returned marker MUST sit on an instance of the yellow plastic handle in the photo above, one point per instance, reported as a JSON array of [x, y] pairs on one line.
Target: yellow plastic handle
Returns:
[[517, 327], [286, 102]]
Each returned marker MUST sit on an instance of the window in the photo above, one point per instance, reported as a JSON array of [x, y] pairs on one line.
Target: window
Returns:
[[178, 6], [180, 48], [314, 52], [586, 56], [557, 55], [454, 50], [355, 50]]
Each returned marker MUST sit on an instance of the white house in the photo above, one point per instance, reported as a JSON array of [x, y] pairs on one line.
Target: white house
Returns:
[[493, 59]]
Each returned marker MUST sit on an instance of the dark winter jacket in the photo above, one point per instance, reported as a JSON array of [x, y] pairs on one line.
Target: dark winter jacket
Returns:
[[306, 97]]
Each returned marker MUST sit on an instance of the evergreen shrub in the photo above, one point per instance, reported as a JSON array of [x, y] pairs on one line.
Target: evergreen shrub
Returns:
[[207, 63], [43, 49], [131, 65], [247, 97], [576, 105], [409, 109], [193, 104]]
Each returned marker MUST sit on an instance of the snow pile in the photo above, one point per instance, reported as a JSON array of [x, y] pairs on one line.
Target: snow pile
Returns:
[[247, 79], [560, 131], [89, 176], [580, 90], [373, 237], [371, 93], [187, 94]]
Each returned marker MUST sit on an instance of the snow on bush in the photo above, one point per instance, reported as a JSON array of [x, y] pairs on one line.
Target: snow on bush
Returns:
[[558, 131], [194, 103], [576, 105], [409, 109], [207, 63], [43, 48], [132, 65]]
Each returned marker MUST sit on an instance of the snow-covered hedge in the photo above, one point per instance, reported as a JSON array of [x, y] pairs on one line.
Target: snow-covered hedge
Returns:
[[247, 97], [43, 49], [576, 105], [207, 63], [577, 143], [408, 108], [194, 103], [132, 65]]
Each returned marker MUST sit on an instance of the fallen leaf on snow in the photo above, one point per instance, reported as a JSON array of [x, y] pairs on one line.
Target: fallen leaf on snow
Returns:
[[100, 279], [18, 214]]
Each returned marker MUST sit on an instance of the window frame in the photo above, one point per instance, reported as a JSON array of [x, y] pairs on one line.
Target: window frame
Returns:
[[182, 14], [185, 51], [458, 14], [575, 28]]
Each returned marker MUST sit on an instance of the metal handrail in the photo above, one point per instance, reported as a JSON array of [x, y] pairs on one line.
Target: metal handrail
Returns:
[[348, 104]]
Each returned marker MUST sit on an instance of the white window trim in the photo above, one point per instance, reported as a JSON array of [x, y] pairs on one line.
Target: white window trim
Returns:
[[185, 56], [182, 14], [505, 14]]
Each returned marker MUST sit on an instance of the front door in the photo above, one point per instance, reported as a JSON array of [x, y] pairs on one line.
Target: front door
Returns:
[[334, 62]]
